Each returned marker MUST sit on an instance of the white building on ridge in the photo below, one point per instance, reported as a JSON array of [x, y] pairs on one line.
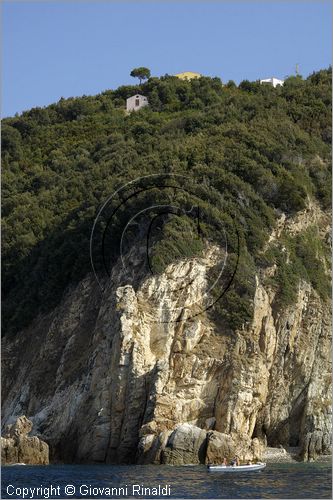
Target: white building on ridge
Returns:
[[136, 102], [273, 81]]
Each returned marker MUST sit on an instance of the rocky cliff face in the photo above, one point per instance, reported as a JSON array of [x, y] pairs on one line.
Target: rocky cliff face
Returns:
[[114, 377]]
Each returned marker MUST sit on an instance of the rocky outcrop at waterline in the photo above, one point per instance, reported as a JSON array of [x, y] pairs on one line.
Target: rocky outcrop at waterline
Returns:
[[189, 444], [111, 377], [18, 447]]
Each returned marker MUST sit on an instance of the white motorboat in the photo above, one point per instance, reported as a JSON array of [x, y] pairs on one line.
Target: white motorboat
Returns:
[[236, 468]]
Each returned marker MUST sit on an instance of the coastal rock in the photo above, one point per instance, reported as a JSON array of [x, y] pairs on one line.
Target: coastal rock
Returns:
[[186, 445], [314, 444], [21, 427], [219, 446], [17, 447], [150, 448], [257, 449]]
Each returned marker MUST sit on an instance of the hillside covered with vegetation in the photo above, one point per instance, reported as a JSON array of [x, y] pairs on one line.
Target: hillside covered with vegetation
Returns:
[[255, 152]]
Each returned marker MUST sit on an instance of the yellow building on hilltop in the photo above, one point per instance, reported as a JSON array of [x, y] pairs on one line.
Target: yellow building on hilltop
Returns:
[[188, 75]]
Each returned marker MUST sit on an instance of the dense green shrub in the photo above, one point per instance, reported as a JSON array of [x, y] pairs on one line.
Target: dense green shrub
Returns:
[[179, 239], [304, 256]]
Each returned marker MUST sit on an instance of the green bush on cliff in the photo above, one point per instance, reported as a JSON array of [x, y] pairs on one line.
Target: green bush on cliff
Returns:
[[303, 256], [179, 240]]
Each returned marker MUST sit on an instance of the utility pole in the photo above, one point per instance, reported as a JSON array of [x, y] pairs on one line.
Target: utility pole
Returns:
[[297, 69]]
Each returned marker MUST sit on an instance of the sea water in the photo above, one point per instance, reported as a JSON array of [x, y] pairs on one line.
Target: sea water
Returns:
[[296, 480]]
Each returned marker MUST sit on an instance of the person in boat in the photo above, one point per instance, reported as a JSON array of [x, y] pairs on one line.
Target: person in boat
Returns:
[[233, 462], [225, 461]]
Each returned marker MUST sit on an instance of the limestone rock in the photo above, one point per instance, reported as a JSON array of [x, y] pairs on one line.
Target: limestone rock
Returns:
[[9, 452], [22, 427], [17, 447], [315, 444], [186, 445], [219, 445], [257, 449]]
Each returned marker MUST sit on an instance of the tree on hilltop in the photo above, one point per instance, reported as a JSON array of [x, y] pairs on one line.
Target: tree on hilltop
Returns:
[[142, 73]]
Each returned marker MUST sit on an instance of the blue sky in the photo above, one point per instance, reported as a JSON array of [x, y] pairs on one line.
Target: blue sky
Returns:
[[64, 49]]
